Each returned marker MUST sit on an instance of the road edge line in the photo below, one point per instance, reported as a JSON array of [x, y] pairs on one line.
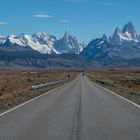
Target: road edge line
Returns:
[[33, 99], [118, 95]]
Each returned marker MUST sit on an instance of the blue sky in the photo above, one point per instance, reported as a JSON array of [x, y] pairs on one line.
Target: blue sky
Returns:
[[85, 19]]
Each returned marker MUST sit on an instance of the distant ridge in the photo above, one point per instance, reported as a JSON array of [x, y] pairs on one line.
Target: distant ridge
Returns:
[[42, 50], [121, 49], [43, 43]]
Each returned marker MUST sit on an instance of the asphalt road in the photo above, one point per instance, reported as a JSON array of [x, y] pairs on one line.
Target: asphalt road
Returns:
[[79, 110]]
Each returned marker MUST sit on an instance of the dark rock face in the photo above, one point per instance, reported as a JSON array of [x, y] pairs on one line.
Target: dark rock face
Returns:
[[123, 48], [44, 43]]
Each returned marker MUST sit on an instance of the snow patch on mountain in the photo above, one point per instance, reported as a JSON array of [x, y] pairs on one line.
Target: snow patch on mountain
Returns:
[[44, 43], [2, 39], [69, 44], [130, 30], [122, 46], [126, 36]]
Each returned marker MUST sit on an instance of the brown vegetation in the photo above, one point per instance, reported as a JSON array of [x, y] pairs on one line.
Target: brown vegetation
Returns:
[[124, 82], [16, 86]]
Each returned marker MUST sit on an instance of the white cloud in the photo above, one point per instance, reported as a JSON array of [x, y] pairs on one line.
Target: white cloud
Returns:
[[64, 21], [41, 15], [3, 23]]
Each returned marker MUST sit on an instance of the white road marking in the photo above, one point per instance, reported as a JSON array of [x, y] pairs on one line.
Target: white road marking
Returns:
[[118, 95], [62, 87], [33, 99]]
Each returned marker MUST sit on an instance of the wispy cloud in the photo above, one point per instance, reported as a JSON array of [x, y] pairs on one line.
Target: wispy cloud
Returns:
[[64, 21], [3, 23], [41, 15]]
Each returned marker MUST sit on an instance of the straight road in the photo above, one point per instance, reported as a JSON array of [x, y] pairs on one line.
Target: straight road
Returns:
[[79, 110]]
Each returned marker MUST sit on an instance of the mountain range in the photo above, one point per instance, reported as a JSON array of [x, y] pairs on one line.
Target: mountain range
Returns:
[[122, 49], [43, 43]]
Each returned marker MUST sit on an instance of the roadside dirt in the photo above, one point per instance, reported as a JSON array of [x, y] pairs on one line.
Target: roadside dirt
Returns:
[[15, 86], [124, 82]]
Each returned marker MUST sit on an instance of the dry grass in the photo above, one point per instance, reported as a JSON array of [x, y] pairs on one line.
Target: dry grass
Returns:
[[124, 82], [15, 86]]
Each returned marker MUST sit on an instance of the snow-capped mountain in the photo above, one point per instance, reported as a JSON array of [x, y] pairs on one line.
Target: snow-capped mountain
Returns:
[[43, 50], [68, 44], [121, 47], [96, 49], [2, 38], [130, 31], [43, 43], [127, 35]]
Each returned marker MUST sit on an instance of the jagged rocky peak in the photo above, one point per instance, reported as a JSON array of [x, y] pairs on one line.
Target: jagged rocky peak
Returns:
[[116, 38], [40, 35], [67, 37], [21, 35], [116, 34], [120, 49], [117, 31], [24, 38], [43, 35], [83, 44], [12, 38], [126, 36], [130, 30], [68, 44], [105, 38], [66, 34], [44, 43]]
